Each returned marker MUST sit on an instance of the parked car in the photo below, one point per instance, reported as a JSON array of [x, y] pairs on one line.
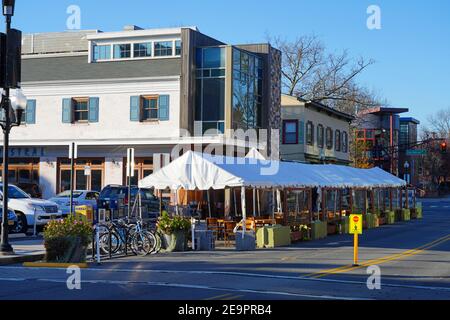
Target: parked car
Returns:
[[113, 197], [12, 220], [27, 208], [80, 198], [33, 189]]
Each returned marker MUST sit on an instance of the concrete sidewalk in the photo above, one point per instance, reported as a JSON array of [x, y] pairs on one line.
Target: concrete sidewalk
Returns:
[[26, 250]]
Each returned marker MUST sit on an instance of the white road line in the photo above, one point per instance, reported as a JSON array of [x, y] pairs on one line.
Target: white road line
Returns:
[[255, 275], [188, 286]]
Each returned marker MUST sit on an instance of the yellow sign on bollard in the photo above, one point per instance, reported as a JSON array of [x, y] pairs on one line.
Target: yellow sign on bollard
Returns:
[[356, 227], [356, 224]]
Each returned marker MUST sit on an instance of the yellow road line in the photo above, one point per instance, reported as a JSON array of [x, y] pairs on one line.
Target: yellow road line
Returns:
[[218, 297], [380, 260]]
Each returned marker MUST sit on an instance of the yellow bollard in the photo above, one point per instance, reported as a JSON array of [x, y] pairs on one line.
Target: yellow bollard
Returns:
[[355, 250]]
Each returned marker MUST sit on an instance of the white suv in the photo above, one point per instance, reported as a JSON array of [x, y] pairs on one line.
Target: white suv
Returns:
[[27, 209]]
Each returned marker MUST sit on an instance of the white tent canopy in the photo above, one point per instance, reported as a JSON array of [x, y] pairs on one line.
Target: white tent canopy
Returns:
[[196, 171]]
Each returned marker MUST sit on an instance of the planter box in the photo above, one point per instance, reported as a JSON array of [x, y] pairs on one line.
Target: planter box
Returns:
[[419, 213], [246, 243], [65, 250], [296, 236], [406, 215], [344, 225], [318, 230], [175, 242], [413, 213], [390, 217], [331, 229], [272, 237], [381, 221]]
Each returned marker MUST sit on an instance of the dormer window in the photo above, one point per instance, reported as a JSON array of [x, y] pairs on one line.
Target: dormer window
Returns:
[[163, 48], [122, 51], [142, 50], [102, 52]]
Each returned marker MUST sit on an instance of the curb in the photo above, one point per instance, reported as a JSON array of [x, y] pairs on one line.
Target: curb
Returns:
[[54, 265], [21, 259]]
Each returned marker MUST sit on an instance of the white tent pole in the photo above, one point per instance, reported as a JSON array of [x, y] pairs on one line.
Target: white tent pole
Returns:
[[259, 203], [209, 203], [176, 202], [273, 203], [235, 203], [244, 213], [254, 202]]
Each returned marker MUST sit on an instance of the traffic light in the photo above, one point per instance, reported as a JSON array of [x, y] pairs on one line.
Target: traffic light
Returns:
[[10, 59], [443, 147]]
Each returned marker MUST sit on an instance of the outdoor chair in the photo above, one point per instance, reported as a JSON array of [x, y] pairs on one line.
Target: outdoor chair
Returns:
[[212, 224], [228, 232]]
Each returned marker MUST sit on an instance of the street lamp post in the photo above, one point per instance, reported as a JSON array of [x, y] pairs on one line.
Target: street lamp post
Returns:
[[13, 107]]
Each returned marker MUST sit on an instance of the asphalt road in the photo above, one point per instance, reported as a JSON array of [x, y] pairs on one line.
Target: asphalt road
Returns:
[[413, 258]]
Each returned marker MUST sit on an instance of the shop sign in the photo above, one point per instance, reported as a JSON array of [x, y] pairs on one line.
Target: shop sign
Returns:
[[26, 152]]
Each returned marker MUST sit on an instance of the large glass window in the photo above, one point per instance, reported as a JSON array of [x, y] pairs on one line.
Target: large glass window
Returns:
[[102, 52], [163, 48], [94, 181], [142, 50], [290, 132], [247, 90], [122, 51], [210, 88]]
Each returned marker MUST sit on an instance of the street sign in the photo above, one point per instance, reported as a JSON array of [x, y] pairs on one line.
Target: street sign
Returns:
[[73, 150], [418, 152], [356, 224], [130, 163]]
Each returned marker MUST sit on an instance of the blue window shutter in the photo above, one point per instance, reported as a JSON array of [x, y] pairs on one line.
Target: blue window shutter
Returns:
[[135, 110], [164, 107], [93, 109], [301, 132], [30, 114], [67, 111]]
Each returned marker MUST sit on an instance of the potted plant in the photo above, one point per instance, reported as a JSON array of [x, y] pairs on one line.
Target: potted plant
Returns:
[[306, 232], [296, 233], [66, 241], [175, 231]]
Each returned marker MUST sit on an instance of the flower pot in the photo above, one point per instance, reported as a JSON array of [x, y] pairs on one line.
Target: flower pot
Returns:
[[66, 250], [175, 242], [296, 236]]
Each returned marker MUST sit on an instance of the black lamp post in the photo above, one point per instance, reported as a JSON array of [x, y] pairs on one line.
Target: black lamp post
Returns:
[[13, 108]]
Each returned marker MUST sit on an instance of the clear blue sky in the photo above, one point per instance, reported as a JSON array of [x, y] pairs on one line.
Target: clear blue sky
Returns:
[[412, 50]]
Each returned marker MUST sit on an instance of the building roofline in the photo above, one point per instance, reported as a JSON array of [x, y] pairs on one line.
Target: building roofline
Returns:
[[409, 119], [326, 108], [137, 33], [378, 110]]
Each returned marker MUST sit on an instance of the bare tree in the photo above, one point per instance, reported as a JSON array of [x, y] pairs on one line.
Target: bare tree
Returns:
[[440, 123], [312, 74]]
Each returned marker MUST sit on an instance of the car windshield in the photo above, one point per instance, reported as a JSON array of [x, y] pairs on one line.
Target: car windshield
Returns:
[[66, 194], [111, 192], [16, 193]]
